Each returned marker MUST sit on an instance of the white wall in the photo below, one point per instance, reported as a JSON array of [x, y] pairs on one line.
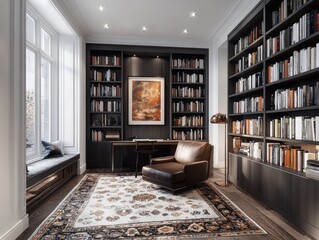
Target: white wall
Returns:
[[13, 218], [80, 77], [218, 75]]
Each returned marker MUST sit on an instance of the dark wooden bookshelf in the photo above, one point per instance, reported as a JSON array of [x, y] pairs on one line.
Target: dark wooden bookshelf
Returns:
[[288, 191], [137, 61]]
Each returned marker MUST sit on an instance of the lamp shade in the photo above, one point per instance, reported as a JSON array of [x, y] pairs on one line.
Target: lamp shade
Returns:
[[218, 118]]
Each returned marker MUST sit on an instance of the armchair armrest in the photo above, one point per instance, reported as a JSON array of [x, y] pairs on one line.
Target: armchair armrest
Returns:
[[162, 160], [196, 172]]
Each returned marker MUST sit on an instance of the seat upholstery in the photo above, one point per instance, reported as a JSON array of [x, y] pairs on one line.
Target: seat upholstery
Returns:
[[189, 166]]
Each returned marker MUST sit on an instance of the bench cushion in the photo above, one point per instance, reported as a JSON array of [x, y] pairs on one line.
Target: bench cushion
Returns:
[[43, 168]]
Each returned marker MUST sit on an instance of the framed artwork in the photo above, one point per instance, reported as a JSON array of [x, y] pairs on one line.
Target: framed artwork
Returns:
[[146, 104]]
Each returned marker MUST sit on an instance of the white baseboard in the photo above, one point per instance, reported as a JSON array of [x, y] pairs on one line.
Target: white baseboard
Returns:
[[82, 169], [17, 229]]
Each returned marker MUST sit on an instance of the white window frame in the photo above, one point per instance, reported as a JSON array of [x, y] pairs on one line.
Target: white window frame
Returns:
[[54, 85]]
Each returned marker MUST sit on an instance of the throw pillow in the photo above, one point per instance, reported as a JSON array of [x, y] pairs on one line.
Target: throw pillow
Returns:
[[53, 149]]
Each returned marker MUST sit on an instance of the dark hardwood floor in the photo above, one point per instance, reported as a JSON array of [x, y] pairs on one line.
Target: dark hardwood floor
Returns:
[[276, 226]]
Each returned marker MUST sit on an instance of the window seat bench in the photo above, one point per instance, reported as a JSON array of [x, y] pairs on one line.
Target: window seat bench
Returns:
[[47, 175]]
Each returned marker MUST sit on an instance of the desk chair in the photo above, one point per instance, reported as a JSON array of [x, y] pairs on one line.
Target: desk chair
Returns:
[[144, 147]]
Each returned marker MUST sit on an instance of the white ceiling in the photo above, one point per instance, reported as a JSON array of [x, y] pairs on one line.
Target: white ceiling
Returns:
[[165, 19]]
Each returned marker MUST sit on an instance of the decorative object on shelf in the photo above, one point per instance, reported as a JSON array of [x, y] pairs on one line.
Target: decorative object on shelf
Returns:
[[221, 118], [146, 104]]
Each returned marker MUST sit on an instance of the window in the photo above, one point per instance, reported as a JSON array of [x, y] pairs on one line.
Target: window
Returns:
[[41, 84]]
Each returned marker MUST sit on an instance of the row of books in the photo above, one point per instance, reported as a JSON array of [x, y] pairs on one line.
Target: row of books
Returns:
[[106, 60], [105, 91], [312, 168], [249, 60], [246, 41], [299, 128], [106, 106], [285, 8], [103, 120], [300, 62], [108, 75], [288, 156], [191, 134], [193, 106], [187, 92], [187, 63], [182, 77], [308, 24], [254, 104], [248, 126], [251, 149], [189, 121], [303, 96], [251, 82], [105, 135]]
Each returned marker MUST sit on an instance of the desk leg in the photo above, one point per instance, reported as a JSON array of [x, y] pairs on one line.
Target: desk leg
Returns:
[[112, 156]]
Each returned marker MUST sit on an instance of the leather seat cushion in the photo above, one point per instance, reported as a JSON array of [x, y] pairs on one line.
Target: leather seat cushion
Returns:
[[171, 172]]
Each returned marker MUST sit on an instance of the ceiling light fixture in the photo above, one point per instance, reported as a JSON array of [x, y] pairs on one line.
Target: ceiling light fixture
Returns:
[[185, 31], [101, 8], [193, 14], [134, 55], [157, 56], [107, 26], [144, 28]]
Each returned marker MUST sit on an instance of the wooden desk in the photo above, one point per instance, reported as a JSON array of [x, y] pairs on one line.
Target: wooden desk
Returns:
[[127, 143]]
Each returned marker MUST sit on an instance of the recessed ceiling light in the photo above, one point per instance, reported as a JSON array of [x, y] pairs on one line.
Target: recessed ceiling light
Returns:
[[185, 31], [193, 14], [144, 28], [101, 8], [157, 56], [107, 26], [134, 55]]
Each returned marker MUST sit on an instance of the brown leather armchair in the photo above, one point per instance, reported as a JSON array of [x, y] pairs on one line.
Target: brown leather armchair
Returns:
[[189, 165]]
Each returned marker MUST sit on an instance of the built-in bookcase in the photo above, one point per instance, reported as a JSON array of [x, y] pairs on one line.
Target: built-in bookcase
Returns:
[[189, 97], [105, 95], [108, 68], [273, 106]]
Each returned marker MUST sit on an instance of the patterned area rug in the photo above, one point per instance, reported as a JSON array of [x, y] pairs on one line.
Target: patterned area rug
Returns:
[[105, 206]]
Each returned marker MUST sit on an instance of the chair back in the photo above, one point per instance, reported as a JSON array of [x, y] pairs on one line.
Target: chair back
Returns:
[[192, 151], [145, 146]]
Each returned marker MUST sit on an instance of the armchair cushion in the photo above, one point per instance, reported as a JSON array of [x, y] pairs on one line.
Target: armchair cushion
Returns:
[[170, 174]]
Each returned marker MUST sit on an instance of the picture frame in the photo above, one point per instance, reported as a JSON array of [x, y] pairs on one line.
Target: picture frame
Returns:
[[146, 101]]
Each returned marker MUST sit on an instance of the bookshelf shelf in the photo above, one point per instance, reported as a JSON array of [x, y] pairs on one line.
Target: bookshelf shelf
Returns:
[[188, 127], [291, 140], [105, 127], [246, 136], [245, 114], [105, 66], [187, 84], [188, 98], [301, 109], [106, 97], [191, 113], [261, 177], [105, 112], [106, 82], [188, 69], [253, 46], [248, 92], [251, 69]]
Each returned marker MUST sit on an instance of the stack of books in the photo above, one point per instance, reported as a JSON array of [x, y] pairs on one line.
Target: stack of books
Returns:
[[312, 169]]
